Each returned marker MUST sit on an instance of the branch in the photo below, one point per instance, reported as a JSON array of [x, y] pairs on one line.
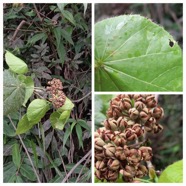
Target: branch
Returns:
[[17, 29], [38, 179], [78, 100], [75, 166], [37, 12]]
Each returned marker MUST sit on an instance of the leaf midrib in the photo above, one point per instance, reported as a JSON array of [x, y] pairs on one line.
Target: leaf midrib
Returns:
[[134, 78]]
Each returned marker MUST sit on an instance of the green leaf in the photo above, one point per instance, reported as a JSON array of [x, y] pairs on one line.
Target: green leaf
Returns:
[[29, 87], [19, 179], [84, 124], [15, 64], [67, 36], [54, 119], [33, 145], [57, 33], [24, 125], [79, 134], [68, 105], [68, 15], [16, 156], [27, 172], [133, 54], [66, 135], [37, 109], [64, 118], [173, 173], [8, 129], [61, 6], [37, 37], [61, 52], [13, 92], [9, 171], [77, 169]]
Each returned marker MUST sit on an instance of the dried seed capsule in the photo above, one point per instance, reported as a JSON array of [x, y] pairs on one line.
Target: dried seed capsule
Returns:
[[157, 128], [133, 113], [100, 165], [130, 134], [120, 153], [134, 156], [122, 123], [141, 171], [109, 150], [125, 104], [111, 175], [144, 115], [151, 101], [99, 175], [99, 143], [139, 105], [110, 124], [128, 173], [113, 164], [146, 153], [157, 112]]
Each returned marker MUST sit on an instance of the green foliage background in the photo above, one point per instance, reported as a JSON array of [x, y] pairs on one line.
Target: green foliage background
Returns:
[[55, 42]]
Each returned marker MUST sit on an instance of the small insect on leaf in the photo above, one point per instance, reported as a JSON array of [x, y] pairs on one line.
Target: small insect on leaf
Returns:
[[171, 43]]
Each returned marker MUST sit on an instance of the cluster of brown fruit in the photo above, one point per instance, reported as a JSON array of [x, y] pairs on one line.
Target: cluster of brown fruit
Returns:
[[120, 146], [57, 96]]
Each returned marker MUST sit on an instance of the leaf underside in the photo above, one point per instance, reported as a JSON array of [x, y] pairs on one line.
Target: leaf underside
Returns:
[[13, 92], [134, 54]]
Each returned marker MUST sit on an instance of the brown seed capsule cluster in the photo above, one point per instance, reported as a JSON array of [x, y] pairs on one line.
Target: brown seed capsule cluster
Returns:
[[57, 96], [120, 145]]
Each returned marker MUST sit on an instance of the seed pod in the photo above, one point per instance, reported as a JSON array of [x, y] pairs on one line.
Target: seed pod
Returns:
[[121, 123], [99, 155], [133, 113], [146, 153], [138, 130], [157, 128], [157, 112], [120, 153], [109, 150], [130, 134], [125, 104], [111, 175], [134, 156], [144, 115], [151, 101], [113, 164], [99, 175], [139, 105], [110, 124], [128, 173], [99, 143], [141, 171], [100, 165]]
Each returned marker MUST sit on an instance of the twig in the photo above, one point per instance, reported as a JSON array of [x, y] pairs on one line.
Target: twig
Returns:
[[17, 29], [78, 163], [78, 100], [62, 163], [38, 179], [37, 12], [88, 159]]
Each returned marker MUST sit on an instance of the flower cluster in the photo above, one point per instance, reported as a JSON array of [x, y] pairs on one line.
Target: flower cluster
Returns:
[[57, 96], [120, 146]]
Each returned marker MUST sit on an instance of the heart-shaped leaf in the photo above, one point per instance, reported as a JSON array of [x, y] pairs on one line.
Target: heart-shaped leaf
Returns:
[[13, 92], [173, 173], [134, 54], [37, 109], [15, 64], [29, 86]]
